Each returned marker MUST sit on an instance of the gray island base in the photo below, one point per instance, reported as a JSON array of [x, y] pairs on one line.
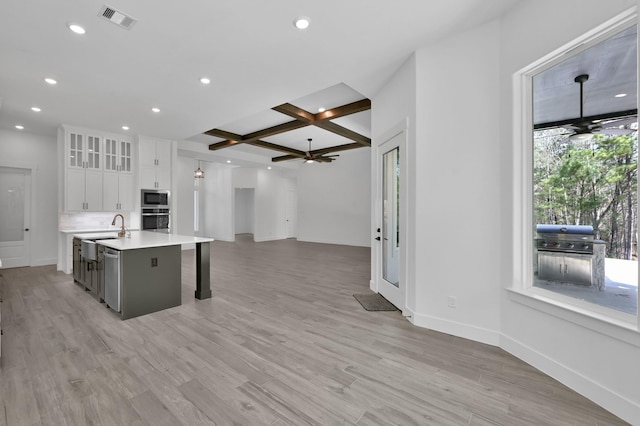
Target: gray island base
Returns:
[[151, 280], [150, 270]]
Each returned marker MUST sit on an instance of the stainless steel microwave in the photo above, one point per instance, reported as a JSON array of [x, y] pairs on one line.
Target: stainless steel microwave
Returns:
[[154, 198]]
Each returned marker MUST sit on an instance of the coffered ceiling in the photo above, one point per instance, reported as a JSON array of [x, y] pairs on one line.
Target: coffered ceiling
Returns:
[[254, 56], [255, 59]]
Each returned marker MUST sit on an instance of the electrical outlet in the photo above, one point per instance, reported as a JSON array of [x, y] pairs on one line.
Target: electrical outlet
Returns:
[[451, 301], [154, 262]]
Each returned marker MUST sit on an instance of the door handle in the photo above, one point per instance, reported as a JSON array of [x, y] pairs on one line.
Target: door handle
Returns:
[[26, 229], [378, 238]]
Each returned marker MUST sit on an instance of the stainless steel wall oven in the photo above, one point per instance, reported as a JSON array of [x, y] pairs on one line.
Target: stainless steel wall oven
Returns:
[[155, 209], [156, 219]]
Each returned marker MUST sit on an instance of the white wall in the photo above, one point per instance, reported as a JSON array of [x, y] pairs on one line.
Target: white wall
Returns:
[[244, 212], [597, 360], [182, 222], [22, 149], [457, 176], [462, 144], [334, 200], [218, 201], [395, 105]]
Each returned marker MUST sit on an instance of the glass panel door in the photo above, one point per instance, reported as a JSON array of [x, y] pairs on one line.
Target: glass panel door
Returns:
[[390, 215], [14, 202]]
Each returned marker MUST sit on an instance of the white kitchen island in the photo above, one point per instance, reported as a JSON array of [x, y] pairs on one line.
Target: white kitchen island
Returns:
[[150, 270]]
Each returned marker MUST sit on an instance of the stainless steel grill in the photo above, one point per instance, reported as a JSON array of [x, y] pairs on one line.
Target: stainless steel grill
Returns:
[[566, 254], [565, 238]]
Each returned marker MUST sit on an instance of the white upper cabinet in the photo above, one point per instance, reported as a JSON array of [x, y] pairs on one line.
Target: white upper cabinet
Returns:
[[99, 170], [155, 163], [83, 174], [118, 176], [84, 151], [118, 153]]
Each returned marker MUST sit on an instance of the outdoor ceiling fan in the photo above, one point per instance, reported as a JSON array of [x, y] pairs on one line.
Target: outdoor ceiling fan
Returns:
[[309, 157], [584, 129]]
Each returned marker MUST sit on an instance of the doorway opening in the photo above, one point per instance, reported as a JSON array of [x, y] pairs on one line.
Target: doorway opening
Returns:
[[244, 211]]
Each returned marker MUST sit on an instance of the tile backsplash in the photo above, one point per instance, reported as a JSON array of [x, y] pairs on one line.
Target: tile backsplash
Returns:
[[95, 220]]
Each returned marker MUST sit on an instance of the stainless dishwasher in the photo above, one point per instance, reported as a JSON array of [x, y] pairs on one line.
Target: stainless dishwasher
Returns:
[[112, 283]]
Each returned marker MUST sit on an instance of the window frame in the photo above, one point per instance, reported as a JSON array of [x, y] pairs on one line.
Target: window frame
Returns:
[[522, 289]]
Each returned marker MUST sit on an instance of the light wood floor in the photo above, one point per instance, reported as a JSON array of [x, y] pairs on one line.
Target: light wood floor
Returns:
[[282, 342]]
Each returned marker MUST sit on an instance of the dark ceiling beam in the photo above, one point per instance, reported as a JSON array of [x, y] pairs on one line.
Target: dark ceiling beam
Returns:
[[231, 139], [344, 110], [295, 112], [344, 132], [223, 144], [275, 130], [608, 116], [275, 147], [251, 137], [302, 119], [223, 134]]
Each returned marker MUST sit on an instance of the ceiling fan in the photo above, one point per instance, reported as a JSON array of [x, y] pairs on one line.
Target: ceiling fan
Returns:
[[584, 129], [310, 157]]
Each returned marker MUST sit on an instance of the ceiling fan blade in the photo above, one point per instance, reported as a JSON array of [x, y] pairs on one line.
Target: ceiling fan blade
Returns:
[[620, 122], [614, 131], [575, 127]]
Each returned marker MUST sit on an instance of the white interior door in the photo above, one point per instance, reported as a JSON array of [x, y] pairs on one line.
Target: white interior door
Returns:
[[291, 212], [389, 260], [15, 202]]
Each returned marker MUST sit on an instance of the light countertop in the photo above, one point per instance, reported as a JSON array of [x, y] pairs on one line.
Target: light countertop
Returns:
[[113, 229], [143, 239]]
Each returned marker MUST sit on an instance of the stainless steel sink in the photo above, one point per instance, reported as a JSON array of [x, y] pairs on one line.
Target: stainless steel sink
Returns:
[[88, 248]]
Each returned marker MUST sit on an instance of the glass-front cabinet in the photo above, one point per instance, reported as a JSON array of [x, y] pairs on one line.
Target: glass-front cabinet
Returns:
[[99, 172]]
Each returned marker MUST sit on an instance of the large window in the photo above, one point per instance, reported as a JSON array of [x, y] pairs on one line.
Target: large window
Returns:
[[584, 176]]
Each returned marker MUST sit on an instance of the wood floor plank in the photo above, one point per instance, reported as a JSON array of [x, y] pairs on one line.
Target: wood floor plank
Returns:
[[282, 342], [215, 408], [152, 410]]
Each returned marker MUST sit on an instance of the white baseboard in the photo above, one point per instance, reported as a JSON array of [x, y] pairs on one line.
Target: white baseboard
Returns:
[[466, 331], [45, 261], [610, 400]]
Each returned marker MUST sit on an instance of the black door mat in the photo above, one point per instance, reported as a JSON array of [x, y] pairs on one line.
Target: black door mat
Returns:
[[374, 302]]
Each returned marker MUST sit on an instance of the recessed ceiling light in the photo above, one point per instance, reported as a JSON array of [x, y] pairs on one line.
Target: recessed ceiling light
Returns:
[[269, 168], [205, 80], [229, 161], [19, 127], [35, 109], [125, 127], [301, 22], [154, 109], [77, 29], [620, 95], [321, 109], [50, 81]]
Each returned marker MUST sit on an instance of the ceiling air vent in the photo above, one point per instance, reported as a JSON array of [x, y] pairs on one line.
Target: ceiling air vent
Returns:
[[117, 17]]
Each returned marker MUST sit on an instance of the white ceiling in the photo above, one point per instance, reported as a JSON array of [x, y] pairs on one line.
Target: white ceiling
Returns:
[[253, 54]]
